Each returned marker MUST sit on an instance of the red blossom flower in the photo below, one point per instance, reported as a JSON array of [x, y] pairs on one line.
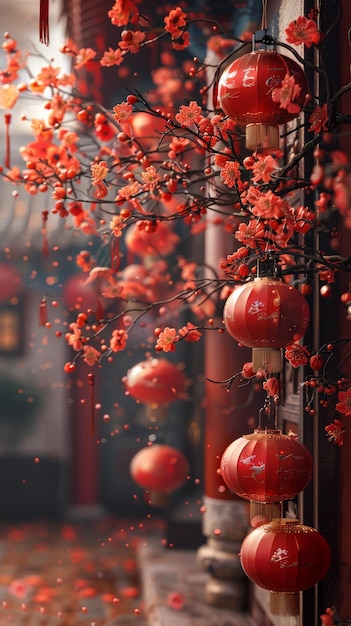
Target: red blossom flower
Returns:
[[272, 386], [303, 30], [182, 42], [175, 22], [123, 11], [344, 404], [111, 57], [122, 112], [230, 173], [319, 119], [91, 355], [190, 333], [335, 432], [131, 41], [167, 339], [287, 94], [84, 56], [188, 115], [118, 340], [296, 355]]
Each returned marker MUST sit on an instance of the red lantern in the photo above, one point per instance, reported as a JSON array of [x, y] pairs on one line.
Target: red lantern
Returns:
[[78, 294], [159, 469], [155, 381], [159, 242], [266, 314], [10, 282], [285, 557], [245, 92], [267, 467]]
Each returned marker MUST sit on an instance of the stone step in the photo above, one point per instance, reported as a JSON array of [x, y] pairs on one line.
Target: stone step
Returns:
[[173, 587]]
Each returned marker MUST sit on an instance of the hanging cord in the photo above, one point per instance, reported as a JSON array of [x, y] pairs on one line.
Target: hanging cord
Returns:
[[264, 15], [91, 381]]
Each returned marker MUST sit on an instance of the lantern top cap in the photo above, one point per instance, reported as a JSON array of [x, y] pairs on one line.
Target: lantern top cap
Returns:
[[287, 525], [267, 433]]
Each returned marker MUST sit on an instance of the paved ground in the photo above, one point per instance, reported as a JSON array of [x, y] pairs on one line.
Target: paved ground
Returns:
[[173, 590]]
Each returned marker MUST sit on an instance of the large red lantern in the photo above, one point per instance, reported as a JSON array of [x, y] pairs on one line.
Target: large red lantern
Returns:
[[285, 557], [155, 381], [266, 467], [266, 314], [246, 90], [160, 469]]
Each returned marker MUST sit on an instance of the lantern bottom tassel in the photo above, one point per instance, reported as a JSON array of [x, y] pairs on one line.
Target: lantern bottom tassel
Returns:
[[159, 499], [262, 135], [269, 359], [284, 603], [264, 512]]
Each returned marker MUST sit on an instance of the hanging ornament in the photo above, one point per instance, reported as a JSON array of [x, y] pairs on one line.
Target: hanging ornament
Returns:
[[160, 469], [79, 295], [250, 93], [266, 315], [43, 312], [266, 467], [285, 557], [11, 283], [155, 381]]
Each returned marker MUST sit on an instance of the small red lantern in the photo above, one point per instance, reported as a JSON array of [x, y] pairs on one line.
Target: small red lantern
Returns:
[[160, 469], [161, 241], [78, 294], [266, 467], [245, 94], [285, 557], [10, 282], [266, 314], [155, 381]]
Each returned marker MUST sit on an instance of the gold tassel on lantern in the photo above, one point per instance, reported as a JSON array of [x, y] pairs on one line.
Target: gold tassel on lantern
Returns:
[[284, 603]]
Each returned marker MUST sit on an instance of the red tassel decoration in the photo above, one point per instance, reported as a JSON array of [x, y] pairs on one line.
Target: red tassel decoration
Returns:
[[91, 380], [115, 257], [99, 310], [43, 312], [44, 22], [8, 118], [45, 245]]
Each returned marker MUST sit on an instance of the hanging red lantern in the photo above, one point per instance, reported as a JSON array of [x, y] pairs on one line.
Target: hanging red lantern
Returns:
[[161, 241], [160, 469], [285, 557], [10, 282], [266, 314], [78, 294], [155, 381], [266, 467], [248, 92]]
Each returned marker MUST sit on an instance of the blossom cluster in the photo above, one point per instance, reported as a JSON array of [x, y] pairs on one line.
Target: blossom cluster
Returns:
[[144, 178]]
